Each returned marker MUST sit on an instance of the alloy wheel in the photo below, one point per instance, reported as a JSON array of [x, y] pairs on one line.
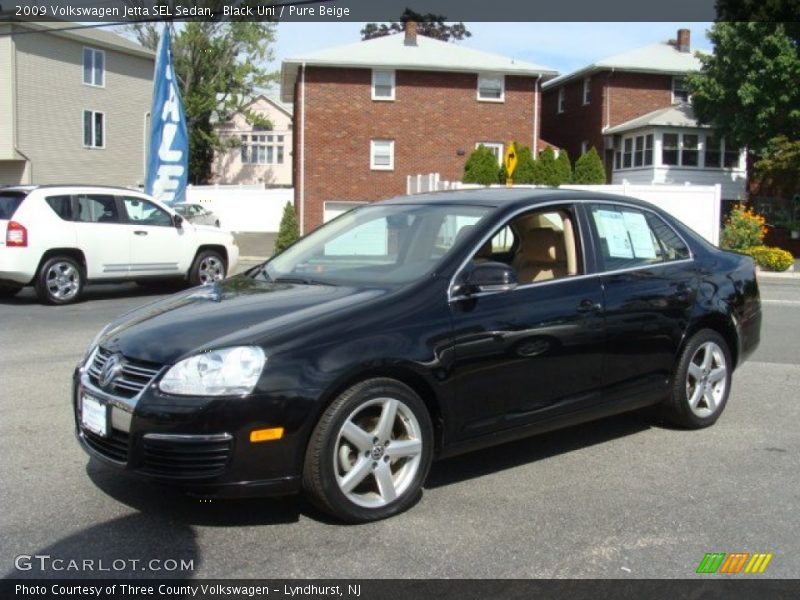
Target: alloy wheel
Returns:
[[706, 379]]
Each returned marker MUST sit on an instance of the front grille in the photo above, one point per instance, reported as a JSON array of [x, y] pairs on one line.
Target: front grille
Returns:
[[115, 446], [185, 459], [134, 376]]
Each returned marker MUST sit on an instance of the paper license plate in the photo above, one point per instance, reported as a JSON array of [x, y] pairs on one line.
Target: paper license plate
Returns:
[[94, 416]]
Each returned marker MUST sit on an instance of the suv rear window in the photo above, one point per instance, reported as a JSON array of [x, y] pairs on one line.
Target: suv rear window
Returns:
[[9, 203]]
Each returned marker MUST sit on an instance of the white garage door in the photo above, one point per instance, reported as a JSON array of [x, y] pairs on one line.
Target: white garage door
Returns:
[[334, 209]]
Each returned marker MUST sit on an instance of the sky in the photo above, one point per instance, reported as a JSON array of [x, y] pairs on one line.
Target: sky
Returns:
[[564, 47]]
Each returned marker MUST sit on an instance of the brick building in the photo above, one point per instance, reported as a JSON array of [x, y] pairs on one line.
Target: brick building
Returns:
[[368, 114], [633, 108]]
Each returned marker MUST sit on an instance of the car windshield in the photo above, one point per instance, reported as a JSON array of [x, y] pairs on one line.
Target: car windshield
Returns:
[[9, 203], [376, 244]]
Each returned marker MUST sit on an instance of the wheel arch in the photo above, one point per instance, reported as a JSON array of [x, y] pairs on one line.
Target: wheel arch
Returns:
[[720, 323], [401, 373], [74, 253]]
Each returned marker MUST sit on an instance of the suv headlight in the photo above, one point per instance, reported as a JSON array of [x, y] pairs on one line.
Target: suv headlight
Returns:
[[226, 372]]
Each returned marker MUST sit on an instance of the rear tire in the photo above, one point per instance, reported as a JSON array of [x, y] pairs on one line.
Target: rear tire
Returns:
[[9, 291], [370, 452], [208, 267], [59, 281], [702, 382]]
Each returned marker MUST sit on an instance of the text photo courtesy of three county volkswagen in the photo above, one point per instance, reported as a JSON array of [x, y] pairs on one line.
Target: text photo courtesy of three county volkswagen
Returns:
[[369, 300]]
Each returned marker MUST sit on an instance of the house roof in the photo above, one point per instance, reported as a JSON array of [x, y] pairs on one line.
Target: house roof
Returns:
[[680, 115], [663, 57], [88, 35], [391, 52], [286, 107]]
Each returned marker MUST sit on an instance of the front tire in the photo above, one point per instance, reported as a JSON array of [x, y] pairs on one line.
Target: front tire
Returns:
[[370, 452], [59, 280], [702, 381], [208, 267]]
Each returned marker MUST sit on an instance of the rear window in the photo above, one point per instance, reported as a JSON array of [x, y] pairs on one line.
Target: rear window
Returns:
[[9, 203]]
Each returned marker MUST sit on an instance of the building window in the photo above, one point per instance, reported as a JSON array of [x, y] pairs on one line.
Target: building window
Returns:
[[730, 157], [713, 152], [491, 88], [669, 152], [94, 67], [637, 152], [258, 149], [381, 155], [562, 103], [496, 148], [584, 147], [689, 151], [587, 90], [383, 85], [94, 127], [680, 91]]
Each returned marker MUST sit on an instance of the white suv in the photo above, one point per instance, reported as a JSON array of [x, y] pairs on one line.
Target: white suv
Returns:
[[58, 238]]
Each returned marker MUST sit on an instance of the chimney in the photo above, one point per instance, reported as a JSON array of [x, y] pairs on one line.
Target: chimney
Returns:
[[411, 33], [684, 40]]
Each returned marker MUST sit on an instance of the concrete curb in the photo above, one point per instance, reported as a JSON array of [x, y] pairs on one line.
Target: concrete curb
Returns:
[[777, 275]]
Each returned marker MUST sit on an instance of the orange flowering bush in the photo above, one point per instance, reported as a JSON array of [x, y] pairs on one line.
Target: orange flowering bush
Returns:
[[743, 229]]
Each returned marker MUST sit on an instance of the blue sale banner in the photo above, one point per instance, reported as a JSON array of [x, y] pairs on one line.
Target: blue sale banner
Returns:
[[168, 164]]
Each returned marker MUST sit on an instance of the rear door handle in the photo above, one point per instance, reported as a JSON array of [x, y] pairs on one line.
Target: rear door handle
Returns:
[[587, 305], [140, 232]]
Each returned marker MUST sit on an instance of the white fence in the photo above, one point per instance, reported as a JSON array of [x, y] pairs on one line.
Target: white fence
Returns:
[[248, 208], [698, 206]]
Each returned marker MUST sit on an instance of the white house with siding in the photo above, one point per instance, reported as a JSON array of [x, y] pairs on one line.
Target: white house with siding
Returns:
[[74, 105], [669, 146]]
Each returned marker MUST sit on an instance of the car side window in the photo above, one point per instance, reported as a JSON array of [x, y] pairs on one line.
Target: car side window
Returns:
[[628, 237], [144, 212], [62, 206], [541, 245], [97, 208]]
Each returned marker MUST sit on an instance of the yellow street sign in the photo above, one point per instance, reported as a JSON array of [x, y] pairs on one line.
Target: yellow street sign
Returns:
[[510, 161]]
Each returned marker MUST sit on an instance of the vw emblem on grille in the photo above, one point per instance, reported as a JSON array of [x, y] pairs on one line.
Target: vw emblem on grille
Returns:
[[110, 370]]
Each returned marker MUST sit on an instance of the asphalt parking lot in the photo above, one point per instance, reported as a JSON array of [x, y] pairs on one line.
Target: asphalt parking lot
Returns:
[[617, 498]]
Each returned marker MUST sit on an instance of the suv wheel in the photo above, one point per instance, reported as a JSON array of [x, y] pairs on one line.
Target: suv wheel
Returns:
[[59, 280], [370, 452], [207, 268]]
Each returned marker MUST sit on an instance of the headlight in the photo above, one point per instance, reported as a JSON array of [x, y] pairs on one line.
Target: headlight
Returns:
[[225, 372]]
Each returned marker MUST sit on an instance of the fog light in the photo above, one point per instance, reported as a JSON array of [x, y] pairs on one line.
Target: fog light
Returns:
[[266, 435]]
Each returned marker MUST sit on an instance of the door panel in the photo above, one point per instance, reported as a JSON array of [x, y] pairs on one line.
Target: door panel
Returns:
[[157, 247], [529, 353], [102, 234]]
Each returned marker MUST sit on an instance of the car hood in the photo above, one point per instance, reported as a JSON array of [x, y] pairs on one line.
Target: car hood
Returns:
[[237, 311]]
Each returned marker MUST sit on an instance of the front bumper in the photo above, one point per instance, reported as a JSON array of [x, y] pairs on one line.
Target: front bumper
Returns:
[[201, 445]]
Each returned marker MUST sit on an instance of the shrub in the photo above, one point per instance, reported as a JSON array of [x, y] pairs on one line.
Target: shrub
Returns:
[[563, 167], [770, 259], [743, 229], [589, 168], [545, 169], [524, 171], [481, 167], [288, 232]]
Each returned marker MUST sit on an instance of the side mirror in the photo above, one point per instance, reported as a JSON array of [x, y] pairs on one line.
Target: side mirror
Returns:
[[491, 277], [177, 220]]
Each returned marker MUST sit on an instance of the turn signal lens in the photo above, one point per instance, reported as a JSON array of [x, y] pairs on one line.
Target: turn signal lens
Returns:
[[266, 435], [16, 235]]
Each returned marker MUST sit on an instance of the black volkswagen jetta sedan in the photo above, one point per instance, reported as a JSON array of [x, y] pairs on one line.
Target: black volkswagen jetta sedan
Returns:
[[415, 328]]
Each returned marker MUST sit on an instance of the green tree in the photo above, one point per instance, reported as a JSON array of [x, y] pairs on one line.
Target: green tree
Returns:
[[545, 170], [523, 173], [481, 167], [429, 25], [747, 89], [589, 168], [563, 167], [219, 66], [288, 231]]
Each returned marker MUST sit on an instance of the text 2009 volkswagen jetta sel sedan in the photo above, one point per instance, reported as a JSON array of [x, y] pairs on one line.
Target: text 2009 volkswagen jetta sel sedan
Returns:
[[415, 328]]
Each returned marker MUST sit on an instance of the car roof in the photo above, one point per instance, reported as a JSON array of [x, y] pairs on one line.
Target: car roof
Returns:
[[512, 197], [67, 186]]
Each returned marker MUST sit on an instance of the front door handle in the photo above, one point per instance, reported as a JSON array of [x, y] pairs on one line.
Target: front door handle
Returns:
[[587, 305], [140, 232]]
